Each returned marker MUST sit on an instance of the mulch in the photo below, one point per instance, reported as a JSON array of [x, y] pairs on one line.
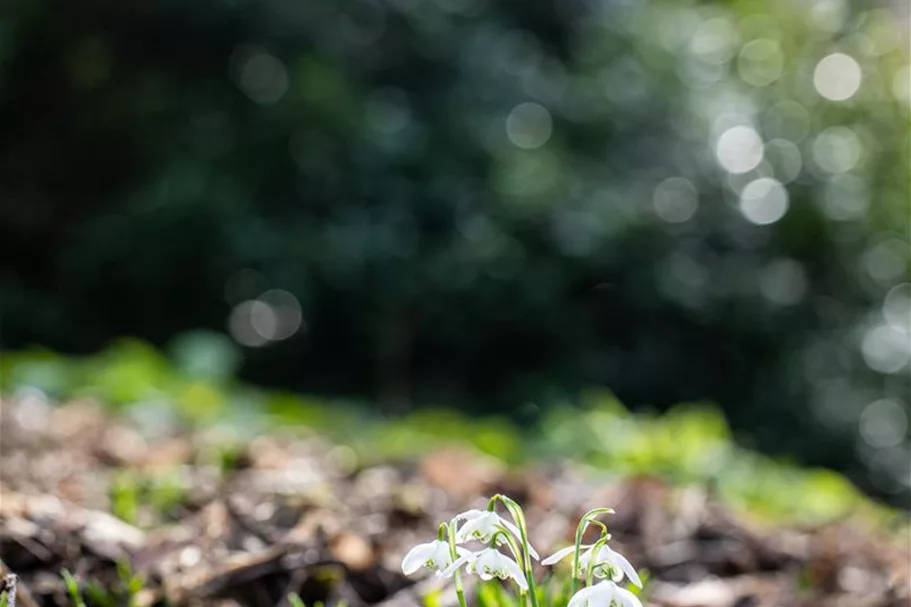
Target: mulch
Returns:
[[295, 513]]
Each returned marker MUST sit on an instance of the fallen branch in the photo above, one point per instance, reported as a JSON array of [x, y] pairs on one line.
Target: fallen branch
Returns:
[[10, 585]]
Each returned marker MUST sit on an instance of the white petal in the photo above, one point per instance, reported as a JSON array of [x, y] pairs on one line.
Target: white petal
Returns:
[[469, 515], [559, 555], [489, 558], [482, 525], [442, 555], [488, 524], [486, 563], [604, 593], [615, 558], [467, 531], [581, 598], [416, 557], [626, 598], [511, 528], [515, 572], [468, 558]]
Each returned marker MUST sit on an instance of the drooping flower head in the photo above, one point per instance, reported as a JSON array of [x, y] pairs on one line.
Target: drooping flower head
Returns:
[[436, 555], [483, 525], [490, 563], [607, 563]]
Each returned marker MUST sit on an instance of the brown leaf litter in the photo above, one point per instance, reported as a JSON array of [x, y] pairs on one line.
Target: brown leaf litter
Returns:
[[295, 515]]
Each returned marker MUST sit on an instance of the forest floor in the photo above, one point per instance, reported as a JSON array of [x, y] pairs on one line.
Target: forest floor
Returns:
[[173, 517]]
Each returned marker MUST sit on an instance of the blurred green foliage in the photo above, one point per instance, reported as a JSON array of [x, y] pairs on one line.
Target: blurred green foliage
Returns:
[[72, 589], [122, 593], [470, 202], [691, 443], [147, 497]]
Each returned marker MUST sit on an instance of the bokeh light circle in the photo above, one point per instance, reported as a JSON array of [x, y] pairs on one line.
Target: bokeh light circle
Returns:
[[675, 199], [783, 282], [739, 149], [886, 260], [286, 310], [837, 149], [760, 62], [883, 423], [764, 201], [251, 322], [714, 41], [261, 76], [529, 126], [785, 159], [846, 197], [829, 15], [837, 77], [886, 349], [897, 307]]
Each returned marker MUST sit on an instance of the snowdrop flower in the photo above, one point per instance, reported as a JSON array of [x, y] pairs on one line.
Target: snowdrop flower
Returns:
[[490, 563], [482, 525], [604, 594], [607, 560], [433, 555], [607, 563]]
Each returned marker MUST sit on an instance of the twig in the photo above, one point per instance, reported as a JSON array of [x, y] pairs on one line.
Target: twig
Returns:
[[14, 590], [9, 586]]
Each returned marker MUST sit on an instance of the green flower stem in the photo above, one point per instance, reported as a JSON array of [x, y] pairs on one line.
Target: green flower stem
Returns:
[[518, 517], [604, 532], [510, 541], [587, 518], [590, 572], [516, 553], [451, 536]]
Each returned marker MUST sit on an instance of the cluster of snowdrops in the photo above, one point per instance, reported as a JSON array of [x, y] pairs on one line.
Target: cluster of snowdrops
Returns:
[[446, 556]]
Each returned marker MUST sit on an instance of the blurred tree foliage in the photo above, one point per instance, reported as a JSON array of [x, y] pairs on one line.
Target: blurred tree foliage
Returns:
[[480, 201]]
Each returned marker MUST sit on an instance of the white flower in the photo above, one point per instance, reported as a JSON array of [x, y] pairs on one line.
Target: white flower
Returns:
[[434, 555], [490, 563], [604, 594], [606, 563], [481, 525], [561, 554], [607, 559]]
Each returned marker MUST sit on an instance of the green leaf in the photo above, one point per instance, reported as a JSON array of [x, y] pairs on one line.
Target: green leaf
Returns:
[[72, 588]]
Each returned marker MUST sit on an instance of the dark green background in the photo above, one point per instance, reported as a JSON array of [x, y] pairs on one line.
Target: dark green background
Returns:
[[363, 165]]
